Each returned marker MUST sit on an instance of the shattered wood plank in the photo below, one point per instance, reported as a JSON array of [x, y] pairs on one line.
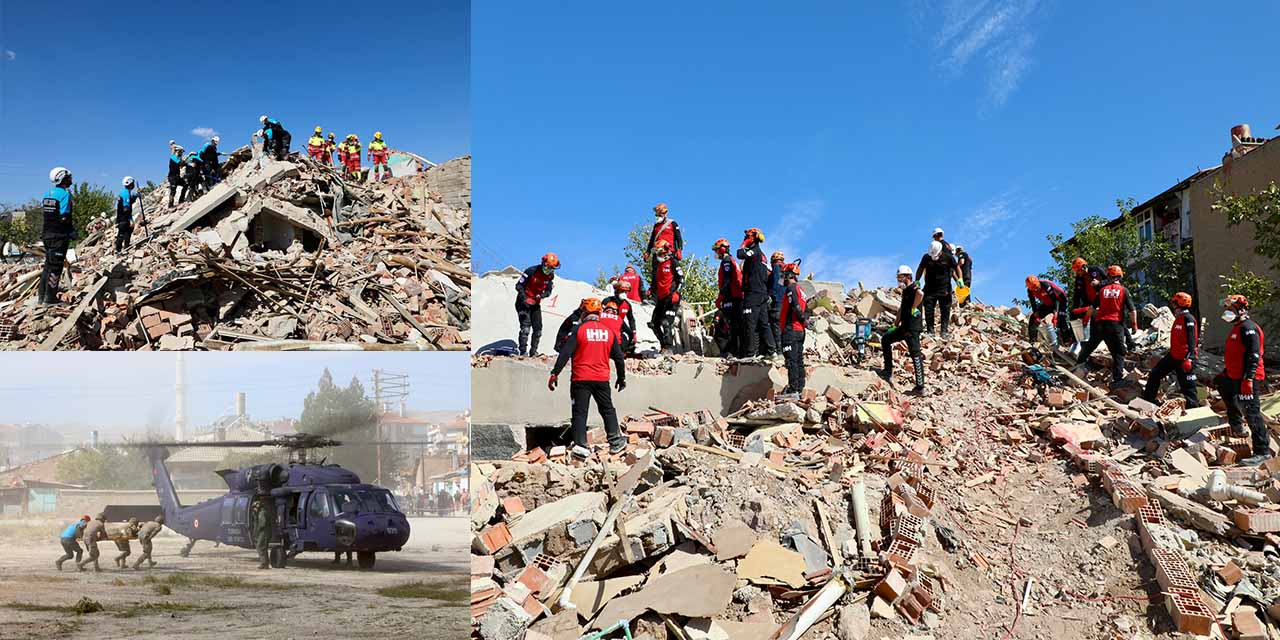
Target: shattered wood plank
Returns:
[[412, 320], [824, 528], [1194, 513], [53, 339], [772, 467]]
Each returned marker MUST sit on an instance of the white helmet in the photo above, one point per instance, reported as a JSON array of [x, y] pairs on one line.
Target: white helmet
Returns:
[[937, 231], [935, 249], [262, 119], [178, 148], [58, 174], [215, 139], [904, 270], [128, 181], [172, 142], [959, 248]]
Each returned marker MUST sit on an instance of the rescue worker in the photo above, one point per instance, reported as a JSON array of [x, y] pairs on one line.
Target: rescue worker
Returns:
[[1114, 310], [665, 229], [621, 295], [352, 162], [378, 156], [965, 262], [591, 347], [937, 269], [57, 233], [337, 557], [71, 548], [316, 145], [729, 300], [907, 329], [636, 292], [1048, 303], [125, 202], [793, 315], [1243, 368], [533, 286], [275, 139], [1084, 292], [667, 278], [568, 326], [776, 290], [192, 177], [756, 334], [264, 531], [145, 534], [1180, 360], [946, 246], [208, 155], [611, 315], [94, 532], [176, 153], [129, 530], [330, 145]]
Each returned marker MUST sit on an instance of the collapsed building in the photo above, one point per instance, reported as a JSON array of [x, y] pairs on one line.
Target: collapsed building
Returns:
[[998, 504], [280, 255]]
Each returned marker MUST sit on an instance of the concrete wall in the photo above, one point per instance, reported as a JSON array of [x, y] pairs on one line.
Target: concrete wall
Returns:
[[1218, 246], [73, 503], [514, 392]]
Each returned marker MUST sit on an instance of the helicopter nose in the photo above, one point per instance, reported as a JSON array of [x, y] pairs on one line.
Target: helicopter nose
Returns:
[[384, 530]]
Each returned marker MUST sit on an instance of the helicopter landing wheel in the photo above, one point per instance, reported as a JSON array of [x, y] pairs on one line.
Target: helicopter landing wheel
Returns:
[[365, 559]]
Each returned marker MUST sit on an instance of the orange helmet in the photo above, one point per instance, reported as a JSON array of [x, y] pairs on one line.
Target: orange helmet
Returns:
[[1078, 265], [777, 257], [720, 244], [551, 260], [661, 246], [660, 208], [1236, 302], [1033, 283], [754, 233], [621, 285], [1114, 271], [791, 268], [1182, 300], [610, 303], [590, 305]]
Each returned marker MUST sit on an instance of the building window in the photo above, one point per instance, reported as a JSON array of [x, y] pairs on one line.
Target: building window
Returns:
[[1146, 226]]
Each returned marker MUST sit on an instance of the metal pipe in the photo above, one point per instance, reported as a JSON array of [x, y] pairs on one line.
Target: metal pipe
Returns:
[[861, 517]]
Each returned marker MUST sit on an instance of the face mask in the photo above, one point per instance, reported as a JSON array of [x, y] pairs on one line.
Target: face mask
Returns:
[[1229, 316], [548, 270]]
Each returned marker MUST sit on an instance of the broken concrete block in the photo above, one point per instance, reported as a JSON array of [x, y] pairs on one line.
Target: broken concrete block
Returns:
[[536, 524], [1196, 419], [505, 620], [204, 205]]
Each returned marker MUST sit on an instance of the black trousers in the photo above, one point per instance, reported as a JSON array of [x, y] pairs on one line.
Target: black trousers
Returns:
[[664, 321], [942, 300], [1065, 336], [793, 355], [1186, 381], [913, 346], [530, 316], [1112, 333], [1241, 409], [174, 183], [755, 329], [55, 255], [280, 145], [582, 392], [70, 549], [729, 329], [124, 232], [775, 321]]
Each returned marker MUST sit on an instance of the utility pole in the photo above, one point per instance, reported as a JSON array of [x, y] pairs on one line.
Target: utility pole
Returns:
[[387, 387]]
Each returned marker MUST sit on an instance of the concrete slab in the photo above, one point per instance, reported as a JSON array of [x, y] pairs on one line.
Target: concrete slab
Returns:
[[580, 506], [204, 205]]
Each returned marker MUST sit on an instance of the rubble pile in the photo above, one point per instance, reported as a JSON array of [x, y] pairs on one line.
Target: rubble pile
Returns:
[[991, 506], [279, 255]]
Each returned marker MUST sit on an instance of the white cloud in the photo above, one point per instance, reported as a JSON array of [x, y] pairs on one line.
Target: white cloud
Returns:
[[793, 238], [204, 132], [996, 32], [797, 218], [10, 55], [994, 219], [871, 271]]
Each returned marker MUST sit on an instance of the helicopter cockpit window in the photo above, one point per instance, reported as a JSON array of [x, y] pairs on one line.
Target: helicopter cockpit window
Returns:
[[318, 505], [242, 509], [375, 501], [346, 502], [385, 501]]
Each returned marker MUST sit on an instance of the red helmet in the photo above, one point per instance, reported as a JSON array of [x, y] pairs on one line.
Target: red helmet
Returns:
[[754, 233], [590, 305], [1033, 283], [551, 260], [1236, 302], [610, 303], [85, 518], [1078, 265], [660, 208], [1182, 300], [720, 244], [1114, 271], [621, 285]]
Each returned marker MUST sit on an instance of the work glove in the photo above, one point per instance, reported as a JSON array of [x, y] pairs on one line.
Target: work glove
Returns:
[[919, 283], [960, 283], [1187, 365], [622, 384], [675, 298], [915, 313], [1246, 388], [551, 383], [892, 329]]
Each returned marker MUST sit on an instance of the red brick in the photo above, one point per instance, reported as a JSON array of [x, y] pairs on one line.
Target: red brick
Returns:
[[537, 581], [1190, 614], [494, 538], [808, 395], [899, 553], [1256, 520], [664, 436], [833, 394], [892, 587], [1247, 624], [641, 427], [1226, 456], [513, 506], [777, 456], [597, 436], [1230, 573]]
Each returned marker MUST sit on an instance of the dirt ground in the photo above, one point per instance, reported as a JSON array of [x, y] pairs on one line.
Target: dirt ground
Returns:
[[220, 592]]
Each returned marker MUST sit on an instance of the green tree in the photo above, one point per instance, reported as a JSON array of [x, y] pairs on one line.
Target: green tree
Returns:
[[146, 190], [89, 201], [1153, 267], [1262, 208], [699, 275], [21, 225], [107, 468], [347, 414]]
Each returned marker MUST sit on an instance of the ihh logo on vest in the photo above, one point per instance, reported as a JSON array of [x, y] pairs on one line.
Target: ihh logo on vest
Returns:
[[597, 335], [1111, 293]]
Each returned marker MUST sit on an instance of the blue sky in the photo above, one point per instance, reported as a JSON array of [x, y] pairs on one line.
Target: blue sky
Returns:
[[108, 391], [101, 87], [848, 131]]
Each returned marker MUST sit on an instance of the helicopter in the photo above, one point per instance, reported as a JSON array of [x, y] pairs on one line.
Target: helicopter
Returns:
[[319, 507]]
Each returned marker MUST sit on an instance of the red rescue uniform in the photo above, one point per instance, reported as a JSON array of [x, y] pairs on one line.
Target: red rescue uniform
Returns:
[[1113, 302], [1184, 336], [632, 278], [1245, 345]]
